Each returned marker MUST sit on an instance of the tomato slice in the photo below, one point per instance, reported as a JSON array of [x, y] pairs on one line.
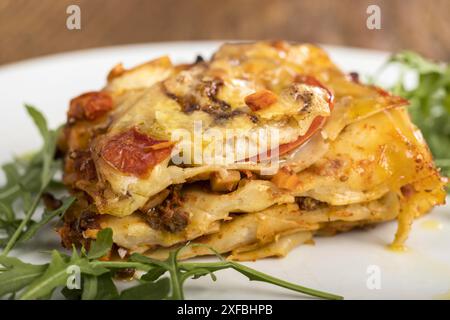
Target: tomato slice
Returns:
[[316, 124], [135, 153]]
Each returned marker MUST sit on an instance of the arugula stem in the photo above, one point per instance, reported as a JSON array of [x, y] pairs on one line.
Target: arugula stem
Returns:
[[255, 275], [177, 291], [121, 264], [176, 284], [197, 272], [259, 276], [214, 266], [22, 224]]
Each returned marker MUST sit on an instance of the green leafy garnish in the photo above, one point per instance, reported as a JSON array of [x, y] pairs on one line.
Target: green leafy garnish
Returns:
[[101, 287], [27, 178], [430, 101], [154, 290], [41, 281], [15, 274], [102, 245], [47, 216]]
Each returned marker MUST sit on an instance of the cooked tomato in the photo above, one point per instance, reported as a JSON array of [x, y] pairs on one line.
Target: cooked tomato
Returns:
[[316, 124], [89, 106], [134, 152]]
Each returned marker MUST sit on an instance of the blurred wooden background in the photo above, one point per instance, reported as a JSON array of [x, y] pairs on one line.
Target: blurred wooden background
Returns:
[[31, 28]]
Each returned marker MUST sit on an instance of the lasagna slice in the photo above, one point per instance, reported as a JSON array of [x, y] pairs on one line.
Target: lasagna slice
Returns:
[[252, 153]]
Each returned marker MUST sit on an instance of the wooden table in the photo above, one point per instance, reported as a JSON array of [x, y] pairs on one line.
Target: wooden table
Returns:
[[31, 28]]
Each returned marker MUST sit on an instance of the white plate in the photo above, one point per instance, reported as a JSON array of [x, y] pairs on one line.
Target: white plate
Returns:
[[338, 264]]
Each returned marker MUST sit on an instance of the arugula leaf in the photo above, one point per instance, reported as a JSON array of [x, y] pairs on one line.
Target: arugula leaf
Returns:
[[148, 291], [48, 150], [415, 61], [9, 191], [90, 287], [6, 211], [106, 289], [102, 245], [15, 274], [54, 276], [46, 217], [27, 178], [39, 120], [57, 274], [154, 274], [86, 266]]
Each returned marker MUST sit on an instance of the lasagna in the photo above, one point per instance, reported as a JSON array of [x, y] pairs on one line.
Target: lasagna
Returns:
[[252, 153]]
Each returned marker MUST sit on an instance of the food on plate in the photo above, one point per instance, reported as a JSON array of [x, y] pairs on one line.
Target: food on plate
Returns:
[[252, 153]]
